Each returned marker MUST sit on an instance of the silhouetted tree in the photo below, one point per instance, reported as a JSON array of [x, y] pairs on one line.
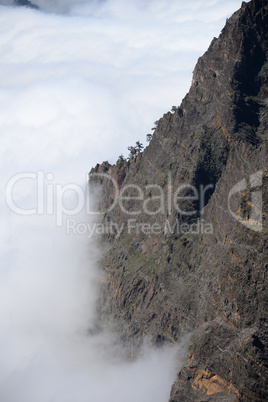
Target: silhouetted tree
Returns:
[[120, 161], [139, 147], [132, 152]]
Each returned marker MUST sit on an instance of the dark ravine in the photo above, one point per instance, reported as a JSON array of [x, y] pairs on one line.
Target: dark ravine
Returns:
[[166, 284]]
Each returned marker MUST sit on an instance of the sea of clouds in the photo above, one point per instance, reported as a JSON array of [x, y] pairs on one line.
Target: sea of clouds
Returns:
[[79, 82]]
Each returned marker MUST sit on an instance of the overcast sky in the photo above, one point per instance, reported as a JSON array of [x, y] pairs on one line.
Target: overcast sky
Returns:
[[79, 82]]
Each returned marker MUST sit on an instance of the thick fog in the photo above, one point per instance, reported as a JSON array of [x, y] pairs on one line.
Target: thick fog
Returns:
[[79, 82]]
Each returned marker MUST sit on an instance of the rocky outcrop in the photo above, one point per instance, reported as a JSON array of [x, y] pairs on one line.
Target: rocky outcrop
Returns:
[[188, 248]]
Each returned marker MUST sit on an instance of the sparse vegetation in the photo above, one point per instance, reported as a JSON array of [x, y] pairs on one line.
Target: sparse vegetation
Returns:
[[139, 147], [134, 151], [120, 161]]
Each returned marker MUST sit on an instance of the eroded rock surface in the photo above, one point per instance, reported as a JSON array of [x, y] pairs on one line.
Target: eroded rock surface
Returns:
[[213, 281]]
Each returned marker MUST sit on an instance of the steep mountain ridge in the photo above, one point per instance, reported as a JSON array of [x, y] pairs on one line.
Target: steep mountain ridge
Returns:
[[199, 263]]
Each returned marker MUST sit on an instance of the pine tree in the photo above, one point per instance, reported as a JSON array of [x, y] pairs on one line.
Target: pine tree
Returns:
[[132, 152], [120, 161], [139, 147]]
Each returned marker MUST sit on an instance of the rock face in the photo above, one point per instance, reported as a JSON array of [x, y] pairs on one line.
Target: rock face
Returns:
[[200, 264]]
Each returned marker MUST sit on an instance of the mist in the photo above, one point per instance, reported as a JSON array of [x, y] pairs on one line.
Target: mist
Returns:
[[79, 82]]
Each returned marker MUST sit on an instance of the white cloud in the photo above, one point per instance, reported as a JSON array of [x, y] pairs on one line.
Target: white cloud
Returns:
[[76, 89], [132, 54]]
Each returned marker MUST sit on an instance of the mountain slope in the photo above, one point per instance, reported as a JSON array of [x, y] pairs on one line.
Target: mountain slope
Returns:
[[199, 263]]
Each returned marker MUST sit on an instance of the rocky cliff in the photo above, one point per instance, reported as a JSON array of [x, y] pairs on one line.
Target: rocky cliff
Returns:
[[186, 223]]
